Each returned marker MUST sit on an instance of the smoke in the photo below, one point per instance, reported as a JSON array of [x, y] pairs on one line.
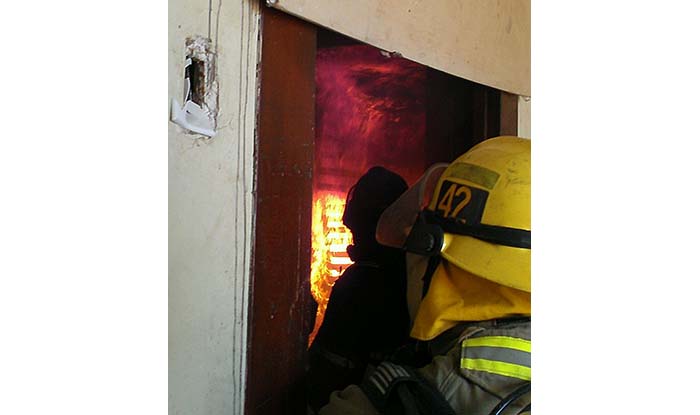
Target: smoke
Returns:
[[370, 110]]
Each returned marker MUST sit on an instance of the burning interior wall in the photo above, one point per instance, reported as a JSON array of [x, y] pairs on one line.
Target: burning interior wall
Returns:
[[370, 110]]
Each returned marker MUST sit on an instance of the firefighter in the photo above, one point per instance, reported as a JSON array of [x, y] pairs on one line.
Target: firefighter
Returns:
[[367, 316], [473, 316]]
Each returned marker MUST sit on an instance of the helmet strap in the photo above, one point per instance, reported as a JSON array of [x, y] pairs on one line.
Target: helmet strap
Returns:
[[433, 263], [425, 238]]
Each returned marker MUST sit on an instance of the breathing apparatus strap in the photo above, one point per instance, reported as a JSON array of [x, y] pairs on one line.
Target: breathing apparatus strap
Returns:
[[397, 389], [512, 397]]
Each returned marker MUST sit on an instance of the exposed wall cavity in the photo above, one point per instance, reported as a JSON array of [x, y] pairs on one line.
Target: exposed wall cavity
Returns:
[[199, 112]]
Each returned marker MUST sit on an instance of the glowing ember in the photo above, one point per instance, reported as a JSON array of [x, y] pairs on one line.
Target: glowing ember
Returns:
[[329, 241]]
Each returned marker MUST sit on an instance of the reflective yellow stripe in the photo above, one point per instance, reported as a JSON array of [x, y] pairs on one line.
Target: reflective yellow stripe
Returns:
[[498, 368], [498, 341]]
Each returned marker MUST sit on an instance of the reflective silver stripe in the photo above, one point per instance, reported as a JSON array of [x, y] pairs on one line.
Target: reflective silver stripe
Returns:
[[392, 370], [381, 389], [385, 374], [396, 371], [387, 371], [499, 354], [403, 371], [382, 376], [496, 368], [499, 341]]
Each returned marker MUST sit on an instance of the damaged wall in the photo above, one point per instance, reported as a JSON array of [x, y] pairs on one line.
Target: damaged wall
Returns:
[[210, 212]]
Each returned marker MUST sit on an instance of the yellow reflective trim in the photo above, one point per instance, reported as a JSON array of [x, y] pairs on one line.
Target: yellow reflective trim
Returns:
[[498, 368], [498, 341]]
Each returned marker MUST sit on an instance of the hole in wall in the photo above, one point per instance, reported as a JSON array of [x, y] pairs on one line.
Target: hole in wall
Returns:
[[195, 72]]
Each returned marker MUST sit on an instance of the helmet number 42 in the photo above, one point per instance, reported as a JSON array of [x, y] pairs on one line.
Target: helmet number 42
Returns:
[[454, 200]]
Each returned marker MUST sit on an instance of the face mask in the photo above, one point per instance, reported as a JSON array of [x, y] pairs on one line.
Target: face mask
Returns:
[[416, 266]]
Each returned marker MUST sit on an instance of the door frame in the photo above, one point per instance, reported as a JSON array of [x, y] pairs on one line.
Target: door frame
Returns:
[[282, 309]]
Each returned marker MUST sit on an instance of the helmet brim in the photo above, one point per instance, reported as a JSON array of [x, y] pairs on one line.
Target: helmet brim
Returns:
[[504, 265]]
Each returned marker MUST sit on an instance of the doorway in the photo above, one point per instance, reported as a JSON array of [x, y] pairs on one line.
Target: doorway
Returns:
[[447, 115]]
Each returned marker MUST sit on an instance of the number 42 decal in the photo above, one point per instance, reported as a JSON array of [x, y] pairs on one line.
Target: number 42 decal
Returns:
[[454, 200]]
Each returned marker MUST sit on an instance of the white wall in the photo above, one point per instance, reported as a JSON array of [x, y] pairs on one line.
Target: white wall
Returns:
[[210, 214], [485, 41]]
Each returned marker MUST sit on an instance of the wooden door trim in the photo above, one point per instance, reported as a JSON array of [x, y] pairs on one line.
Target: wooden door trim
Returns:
[[280, 293]]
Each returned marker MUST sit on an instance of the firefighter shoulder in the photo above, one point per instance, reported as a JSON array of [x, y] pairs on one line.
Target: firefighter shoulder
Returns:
[[474, 316]]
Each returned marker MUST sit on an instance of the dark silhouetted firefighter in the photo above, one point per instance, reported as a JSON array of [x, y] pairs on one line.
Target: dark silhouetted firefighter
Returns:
[[367, 316]]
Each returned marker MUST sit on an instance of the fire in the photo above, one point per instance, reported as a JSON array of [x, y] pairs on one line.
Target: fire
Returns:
[[329, 240], [370, 110]]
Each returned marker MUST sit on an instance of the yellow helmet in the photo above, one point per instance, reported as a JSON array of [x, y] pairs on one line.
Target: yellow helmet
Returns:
[[478, 217]]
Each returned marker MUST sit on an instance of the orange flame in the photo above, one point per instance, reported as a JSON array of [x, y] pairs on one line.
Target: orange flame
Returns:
[[329, 240]]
